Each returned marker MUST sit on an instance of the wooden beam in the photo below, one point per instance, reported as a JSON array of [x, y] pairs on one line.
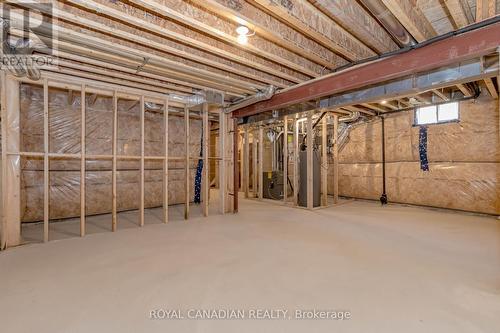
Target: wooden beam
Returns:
[[114, 209], [412, 18], [310, 161], [187, 173], [374, 107], [285, 158], [296, 161], [335, 159], [83, 149], [464, 90], [261, 163], [440, 95], [165, 161], [158, 8], [460, 12], [491, 87], [46, 162], [324, 161], [271, 29], [255, 148], [222, 162], [485, 9], [306, 19]]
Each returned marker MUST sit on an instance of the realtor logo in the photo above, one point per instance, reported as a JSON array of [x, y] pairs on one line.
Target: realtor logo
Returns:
[[27, 37]]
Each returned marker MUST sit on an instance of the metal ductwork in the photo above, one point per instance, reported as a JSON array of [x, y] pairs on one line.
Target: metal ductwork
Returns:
[[390, 23], [259, 97]]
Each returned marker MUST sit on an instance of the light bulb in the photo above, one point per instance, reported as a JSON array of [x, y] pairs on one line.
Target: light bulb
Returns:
[[383, 102], [242, 30]]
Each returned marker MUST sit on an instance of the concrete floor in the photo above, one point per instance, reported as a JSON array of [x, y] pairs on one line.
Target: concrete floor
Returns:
[[394, 268]]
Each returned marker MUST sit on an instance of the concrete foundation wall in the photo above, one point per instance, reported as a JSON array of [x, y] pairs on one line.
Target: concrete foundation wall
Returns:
[[463, 159], [65, 125]]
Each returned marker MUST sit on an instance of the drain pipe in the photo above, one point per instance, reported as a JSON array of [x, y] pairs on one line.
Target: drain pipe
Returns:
[[259, 97], [383, 197]]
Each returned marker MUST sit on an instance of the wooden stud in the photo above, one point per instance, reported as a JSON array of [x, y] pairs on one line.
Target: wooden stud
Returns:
[[236, 166], [115, 144], [83, 149], [222, 162], [206, 165], [335, 159], [141, 208], [3, 190], [310, 161], [324, 161], [255, 149], [165, 161], [46, 165], [285, 158], [187, 174], [441, 95], [260, 174], [464, 90], [296, 161], [246, 163]]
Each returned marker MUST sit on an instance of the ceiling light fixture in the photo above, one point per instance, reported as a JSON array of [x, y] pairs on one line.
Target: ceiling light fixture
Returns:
[[242, 30], [242, 39], [243, 34], [383, 102]]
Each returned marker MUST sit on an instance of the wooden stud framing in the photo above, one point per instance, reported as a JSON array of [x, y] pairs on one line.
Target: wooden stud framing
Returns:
[[296, 162], [206, 165], [285, 158], [491, 87], [255, 149], [141, 208], [3, 104], [335, 159], [464, 90], [222, 162], [324, 162], [46, 164], [165, 161], [187, 174], [310, 161], [260, 174], [83, 149], [115, 139], [441, 95], [236, 166], [246, 163]]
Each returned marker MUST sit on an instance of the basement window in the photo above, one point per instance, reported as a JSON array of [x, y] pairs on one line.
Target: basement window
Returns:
[[437, 114]]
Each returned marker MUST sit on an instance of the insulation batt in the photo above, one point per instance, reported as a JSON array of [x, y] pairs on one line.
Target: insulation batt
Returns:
[[65, 127]]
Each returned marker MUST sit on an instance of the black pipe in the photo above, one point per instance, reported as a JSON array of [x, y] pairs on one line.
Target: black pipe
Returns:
[[383, 197]]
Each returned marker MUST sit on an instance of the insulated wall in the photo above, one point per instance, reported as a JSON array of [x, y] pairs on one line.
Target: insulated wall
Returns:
[[65, 128], [463, 160]]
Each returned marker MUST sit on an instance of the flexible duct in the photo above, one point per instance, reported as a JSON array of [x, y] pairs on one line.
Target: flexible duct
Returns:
[[389, 22], [259, 97]]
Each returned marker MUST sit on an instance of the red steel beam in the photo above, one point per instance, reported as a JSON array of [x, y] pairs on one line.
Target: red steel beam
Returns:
[[434, 55]]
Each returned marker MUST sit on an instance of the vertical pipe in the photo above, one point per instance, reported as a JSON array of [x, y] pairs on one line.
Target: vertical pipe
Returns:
[[165, 161], [187, 175], [324, 161], [141, 210], [46, 176], [285, 159], [296, 162], [206, 165], [261, 160], [335, 159], [310, 152], [236, 165], [222, 162], [83, 150], [246, 163], [115, 143]]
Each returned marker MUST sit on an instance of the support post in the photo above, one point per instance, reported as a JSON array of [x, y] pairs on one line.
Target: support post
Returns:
[[236, 165], [335, 159], [310, 171], [46, 164], [296, 162], [3, 190], [83, 150], [186, 170], [115, 142], [255, 148], [285, 159], [206, 165], [324, 161], [261, 160], [165, 161], [141, 210], [246, 163], [222, 162]]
